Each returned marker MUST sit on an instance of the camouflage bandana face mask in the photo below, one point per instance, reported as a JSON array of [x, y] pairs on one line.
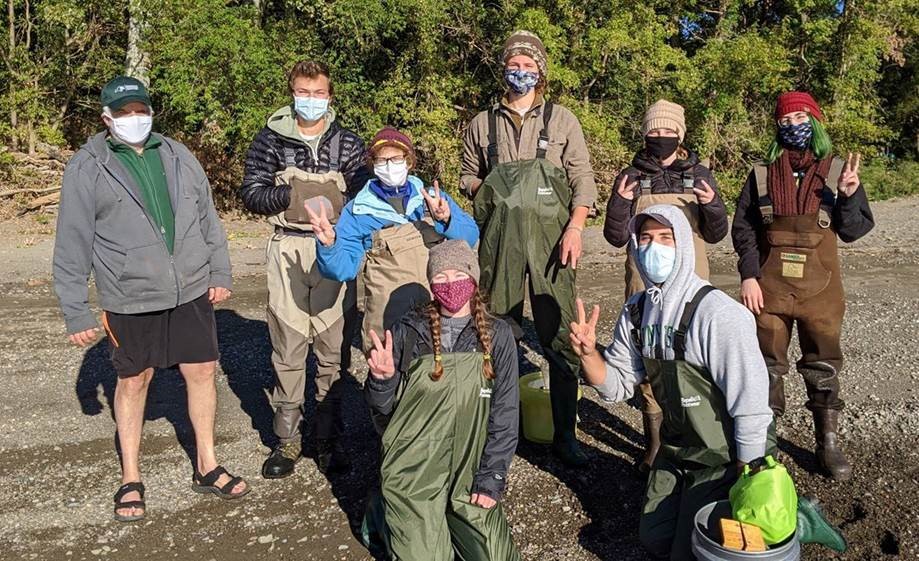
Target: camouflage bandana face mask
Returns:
[[521, 81]]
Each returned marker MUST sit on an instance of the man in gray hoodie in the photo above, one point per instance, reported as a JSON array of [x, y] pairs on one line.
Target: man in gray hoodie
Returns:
[[698, 349], [136, 212]]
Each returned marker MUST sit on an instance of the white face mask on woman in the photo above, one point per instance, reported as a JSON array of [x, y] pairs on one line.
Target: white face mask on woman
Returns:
[[392, 174], [130, 129]]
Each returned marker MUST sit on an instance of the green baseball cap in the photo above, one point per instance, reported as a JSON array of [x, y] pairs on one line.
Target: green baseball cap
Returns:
[[123, 90]]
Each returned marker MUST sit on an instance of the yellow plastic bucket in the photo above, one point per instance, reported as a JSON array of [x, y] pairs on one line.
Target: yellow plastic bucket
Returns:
[[536, 408]]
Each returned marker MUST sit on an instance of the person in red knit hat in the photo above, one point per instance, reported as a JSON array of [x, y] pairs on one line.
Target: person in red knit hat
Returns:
[[790, 211]]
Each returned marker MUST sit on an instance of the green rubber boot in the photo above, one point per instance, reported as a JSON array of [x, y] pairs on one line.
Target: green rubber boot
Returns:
[[813, 527]]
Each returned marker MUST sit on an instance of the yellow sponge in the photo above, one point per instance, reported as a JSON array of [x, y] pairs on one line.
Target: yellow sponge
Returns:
[[731, 534]]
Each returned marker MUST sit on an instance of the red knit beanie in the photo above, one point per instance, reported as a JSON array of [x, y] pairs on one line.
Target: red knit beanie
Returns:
[[388, 136], [789, 102]]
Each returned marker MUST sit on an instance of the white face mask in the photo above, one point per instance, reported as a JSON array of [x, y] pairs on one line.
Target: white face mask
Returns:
[[392, 175], [132, 129]]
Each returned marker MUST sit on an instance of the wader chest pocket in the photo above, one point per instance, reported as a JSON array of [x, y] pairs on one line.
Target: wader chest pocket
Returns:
[[794, 265], [407, 239], [302, 190]]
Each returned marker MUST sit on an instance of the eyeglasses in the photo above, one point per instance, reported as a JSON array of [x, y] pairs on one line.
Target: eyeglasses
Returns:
[[393, 160]]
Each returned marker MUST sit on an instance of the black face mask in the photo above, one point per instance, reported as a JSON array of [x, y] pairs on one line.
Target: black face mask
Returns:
[[661, 147]]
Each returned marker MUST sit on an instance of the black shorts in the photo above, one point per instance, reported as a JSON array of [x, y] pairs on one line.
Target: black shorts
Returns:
[[186, 334]]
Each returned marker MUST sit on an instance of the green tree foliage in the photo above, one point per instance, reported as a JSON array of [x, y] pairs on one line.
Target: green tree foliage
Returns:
[[217, 69]]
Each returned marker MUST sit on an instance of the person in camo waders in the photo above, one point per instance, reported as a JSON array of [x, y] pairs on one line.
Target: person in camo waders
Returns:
[[303, 153], [527, 168], [697, 348], [393, 222], [664, 172], [789, 213], [443, 391]]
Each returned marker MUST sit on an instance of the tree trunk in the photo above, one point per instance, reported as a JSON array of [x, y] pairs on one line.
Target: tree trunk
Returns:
[[137, 62], [14, 115]]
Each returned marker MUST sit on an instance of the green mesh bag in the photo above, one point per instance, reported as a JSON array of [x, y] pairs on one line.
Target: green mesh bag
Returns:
[[766, 499]]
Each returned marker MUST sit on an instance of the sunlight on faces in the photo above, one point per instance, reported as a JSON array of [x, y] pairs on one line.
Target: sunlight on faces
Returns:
[[662, 132], [654, 231], [794, 118], [450, 275], [521, 62], [317, 87]]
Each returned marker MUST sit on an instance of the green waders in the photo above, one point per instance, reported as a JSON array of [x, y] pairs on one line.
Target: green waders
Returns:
[[696, 462], [432, 447], [521, 209]]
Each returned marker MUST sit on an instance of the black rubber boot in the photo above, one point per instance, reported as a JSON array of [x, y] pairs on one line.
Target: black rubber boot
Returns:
[[652, 424], [330, 458], [563, 395], [327, 427], [829, 455], [284, 457]]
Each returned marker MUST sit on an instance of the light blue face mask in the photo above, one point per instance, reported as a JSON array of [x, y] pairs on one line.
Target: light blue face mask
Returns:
[[311, 108], [656, 261]]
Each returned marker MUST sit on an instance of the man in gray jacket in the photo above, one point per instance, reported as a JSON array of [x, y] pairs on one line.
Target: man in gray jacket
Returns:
[[136, 211], [698, 349]]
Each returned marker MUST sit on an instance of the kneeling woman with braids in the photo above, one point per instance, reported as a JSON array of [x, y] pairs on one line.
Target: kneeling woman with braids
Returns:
[[443, 390]]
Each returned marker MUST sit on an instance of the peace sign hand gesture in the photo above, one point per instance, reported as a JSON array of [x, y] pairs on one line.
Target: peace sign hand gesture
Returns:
[[704, 195], [626, 191], [584, 332], [848, 180], [439, 207], [322, 227], [380, 360]]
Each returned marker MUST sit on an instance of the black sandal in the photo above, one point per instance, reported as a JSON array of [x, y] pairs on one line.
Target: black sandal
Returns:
[[121, 505], [208, 484]]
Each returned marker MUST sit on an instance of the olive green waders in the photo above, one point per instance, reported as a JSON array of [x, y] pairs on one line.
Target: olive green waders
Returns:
[[696, 462], [522, 209], [432, 447], [306, 308]]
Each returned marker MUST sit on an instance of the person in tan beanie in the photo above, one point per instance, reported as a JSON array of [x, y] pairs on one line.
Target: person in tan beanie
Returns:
[[664, 172]]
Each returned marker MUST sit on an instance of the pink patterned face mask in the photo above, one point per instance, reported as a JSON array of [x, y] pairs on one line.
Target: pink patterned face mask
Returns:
[[453, 295]]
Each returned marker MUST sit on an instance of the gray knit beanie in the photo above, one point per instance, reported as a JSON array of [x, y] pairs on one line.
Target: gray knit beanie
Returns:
[[453, 254]]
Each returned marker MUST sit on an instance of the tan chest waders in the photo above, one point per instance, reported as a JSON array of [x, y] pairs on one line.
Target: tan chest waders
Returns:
[[431, 451], [695, 465], [303, 306], [801, 284], [521, 209], [395, 278]]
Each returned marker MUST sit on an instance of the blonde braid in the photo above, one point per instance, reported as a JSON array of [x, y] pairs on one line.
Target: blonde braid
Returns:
[[434, 318], [483, 327]]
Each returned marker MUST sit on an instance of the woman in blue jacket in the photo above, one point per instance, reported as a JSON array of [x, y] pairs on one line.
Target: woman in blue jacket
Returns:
[[393, 221]]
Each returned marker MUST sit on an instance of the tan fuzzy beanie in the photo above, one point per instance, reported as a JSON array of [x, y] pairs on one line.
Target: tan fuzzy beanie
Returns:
[[664, 115]]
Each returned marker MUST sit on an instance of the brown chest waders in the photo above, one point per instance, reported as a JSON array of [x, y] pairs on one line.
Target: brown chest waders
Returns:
[[695, 465], [394, 278], [521, 209], [306, 308], [431, 451], [802, 285]]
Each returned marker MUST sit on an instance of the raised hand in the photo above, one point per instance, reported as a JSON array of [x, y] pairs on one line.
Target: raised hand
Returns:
[[584, 331], [322, 227], [439, 207], [380, 360], [626, 190], [848, 180], [704, 195]]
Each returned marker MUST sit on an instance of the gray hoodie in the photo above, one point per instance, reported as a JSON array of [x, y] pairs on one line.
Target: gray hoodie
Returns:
[[721, 338], [104, 228]]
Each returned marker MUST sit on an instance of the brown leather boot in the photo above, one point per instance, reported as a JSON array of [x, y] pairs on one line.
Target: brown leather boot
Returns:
[[829, 454], [652, 425]]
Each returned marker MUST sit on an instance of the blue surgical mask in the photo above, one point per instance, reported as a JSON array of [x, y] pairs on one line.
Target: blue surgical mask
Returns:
[[521, 81], [796, 137], [311, 108], [656, 261]]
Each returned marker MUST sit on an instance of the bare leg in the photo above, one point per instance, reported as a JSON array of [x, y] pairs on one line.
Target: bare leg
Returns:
[[130, 401], [202, 410]]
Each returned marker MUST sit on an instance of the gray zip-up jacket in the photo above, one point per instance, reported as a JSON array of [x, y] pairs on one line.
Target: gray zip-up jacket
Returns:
[[720, 338], [104, 228]]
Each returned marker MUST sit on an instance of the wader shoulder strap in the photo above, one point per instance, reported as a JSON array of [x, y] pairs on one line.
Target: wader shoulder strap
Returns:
[[636, 311], [679, 336], [644, 185], [334, 150], [492, 138], [543, 144], [290, 157], [688, 180], [760, 173], [828, 196]]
